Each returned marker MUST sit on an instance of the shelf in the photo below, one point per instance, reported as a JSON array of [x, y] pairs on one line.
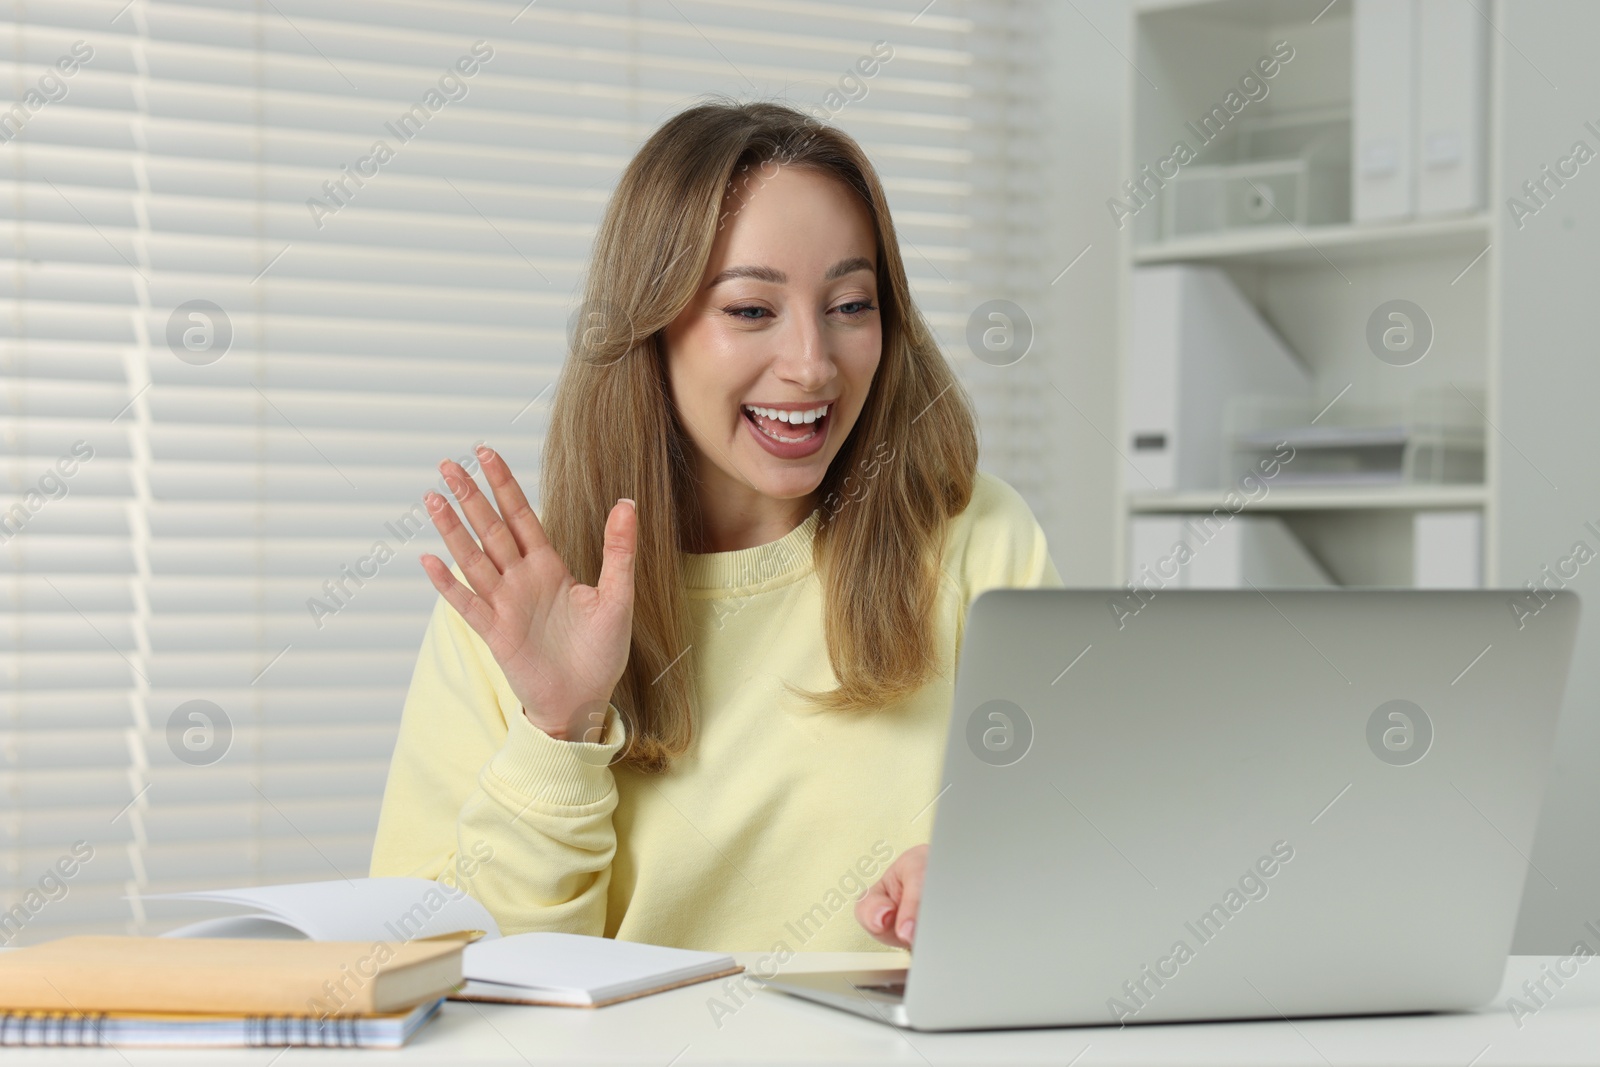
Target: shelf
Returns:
[[1307, 498], [1342, 242], [1263, 11]]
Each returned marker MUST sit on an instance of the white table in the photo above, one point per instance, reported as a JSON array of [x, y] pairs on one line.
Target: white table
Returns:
[[677, 1029]]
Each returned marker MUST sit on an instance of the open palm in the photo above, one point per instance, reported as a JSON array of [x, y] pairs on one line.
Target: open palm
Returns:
[[562, 645]]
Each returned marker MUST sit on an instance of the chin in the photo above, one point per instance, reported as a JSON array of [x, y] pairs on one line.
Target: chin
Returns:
[[788, 485]]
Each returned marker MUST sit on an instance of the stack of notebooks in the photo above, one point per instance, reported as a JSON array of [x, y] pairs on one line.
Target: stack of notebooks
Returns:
[[141, 991], [359, 963]]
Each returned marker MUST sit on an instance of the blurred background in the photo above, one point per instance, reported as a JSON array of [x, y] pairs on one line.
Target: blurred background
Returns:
[[1300, 286]]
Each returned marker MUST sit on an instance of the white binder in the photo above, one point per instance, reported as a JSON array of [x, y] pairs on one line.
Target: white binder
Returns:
[[1447, 550], [1382, 88], [1196, 343], [1452, 106]]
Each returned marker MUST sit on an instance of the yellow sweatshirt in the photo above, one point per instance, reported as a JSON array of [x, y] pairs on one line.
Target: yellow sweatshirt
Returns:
[[763, 835]]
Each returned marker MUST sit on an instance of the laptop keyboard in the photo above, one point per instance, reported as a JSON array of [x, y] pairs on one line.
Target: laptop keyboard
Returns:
[[893, 989]]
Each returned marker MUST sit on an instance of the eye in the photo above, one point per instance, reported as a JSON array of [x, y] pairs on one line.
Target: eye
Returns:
[[740, 313], [854, 308]]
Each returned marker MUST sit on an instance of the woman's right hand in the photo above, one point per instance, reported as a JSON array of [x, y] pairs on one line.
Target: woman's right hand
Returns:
[[562, 645]]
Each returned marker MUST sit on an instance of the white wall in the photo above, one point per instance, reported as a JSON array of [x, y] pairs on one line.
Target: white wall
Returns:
[[1081, 149], [1549, 422]]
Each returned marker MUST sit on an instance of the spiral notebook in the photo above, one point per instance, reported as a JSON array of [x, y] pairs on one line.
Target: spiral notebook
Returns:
[[134, 1030]]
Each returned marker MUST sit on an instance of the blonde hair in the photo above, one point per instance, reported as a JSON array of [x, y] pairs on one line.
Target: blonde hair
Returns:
[[614, 432]]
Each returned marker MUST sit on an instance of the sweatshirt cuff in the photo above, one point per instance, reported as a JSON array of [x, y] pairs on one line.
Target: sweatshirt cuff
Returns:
[[567, 773]]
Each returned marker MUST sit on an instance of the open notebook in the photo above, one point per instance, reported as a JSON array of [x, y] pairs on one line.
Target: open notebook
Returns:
[[568, 970], [577, 971], [354, 909]]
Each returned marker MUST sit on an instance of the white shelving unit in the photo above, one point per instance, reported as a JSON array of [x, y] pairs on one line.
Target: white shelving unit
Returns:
[[1298, 247], [1317, 285], [1511, 294], [1415, 498]]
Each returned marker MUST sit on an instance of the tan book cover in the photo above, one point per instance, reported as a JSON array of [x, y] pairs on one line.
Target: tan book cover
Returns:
[[227, 976]]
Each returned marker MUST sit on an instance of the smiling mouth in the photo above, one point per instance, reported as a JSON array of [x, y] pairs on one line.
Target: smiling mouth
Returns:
[[788, 427]]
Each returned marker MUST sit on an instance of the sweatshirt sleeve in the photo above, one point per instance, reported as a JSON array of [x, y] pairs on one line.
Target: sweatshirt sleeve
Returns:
[[998, 544], [477, 795]]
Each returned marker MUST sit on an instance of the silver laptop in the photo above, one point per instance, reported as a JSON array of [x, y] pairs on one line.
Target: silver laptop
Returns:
[[1228, 805]]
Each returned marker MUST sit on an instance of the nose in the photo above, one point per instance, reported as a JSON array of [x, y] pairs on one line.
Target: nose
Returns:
[[803, 358]]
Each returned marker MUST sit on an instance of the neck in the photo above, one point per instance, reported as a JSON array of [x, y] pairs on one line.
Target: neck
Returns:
[[730, 521]]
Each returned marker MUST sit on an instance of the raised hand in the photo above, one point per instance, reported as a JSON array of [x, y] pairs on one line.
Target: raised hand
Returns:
[[562, 645]]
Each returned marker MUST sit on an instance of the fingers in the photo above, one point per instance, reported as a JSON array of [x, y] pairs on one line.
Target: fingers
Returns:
[[888, 911], [465, 601], [621, 545], [905, 917], [514, 508], [478, 568], [875, 913], [493, 534], [471, 607]]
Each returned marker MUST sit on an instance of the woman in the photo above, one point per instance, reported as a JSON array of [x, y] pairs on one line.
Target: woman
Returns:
[[703, 702]]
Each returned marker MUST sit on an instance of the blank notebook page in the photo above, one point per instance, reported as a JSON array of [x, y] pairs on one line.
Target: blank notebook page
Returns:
[[599, 966]]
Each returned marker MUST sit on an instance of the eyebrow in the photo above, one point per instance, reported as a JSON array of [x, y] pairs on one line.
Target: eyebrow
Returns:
[[777, 277]]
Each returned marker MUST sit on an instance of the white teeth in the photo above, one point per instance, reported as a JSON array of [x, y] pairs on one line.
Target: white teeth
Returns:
[[786, 440], [793, 418]]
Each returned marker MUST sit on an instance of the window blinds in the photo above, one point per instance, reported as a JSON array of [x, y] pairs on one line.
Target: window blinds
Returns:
[[236, 336]]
